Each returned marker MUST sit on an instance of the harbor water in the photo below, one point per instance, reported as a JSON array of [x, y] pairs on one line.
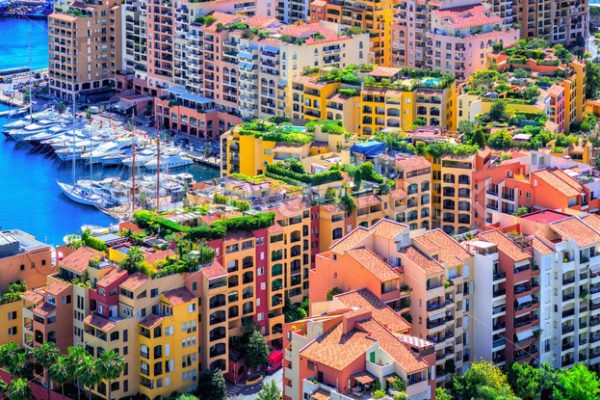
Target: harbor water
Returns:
[[30, 198]]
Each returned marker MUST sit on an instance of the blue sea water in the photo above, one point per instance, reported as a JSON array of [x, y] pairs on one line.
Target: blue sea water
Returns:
[[22, 40], [30, 199]]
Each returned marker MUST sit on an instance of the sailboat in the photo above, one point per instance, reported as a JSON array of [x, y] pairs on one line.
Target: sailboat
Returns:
[[78, 194]]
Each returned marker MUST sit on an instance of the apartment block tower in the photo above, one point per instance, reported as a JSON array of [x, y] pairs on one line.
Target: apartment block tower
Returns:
[[84, 50], [451, 36]]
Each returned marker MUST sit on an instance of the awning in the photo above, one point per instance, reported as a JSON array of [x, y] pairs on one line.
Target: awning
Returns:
[[364, 378], [526, 334], [245, 54], [524, 299], [122, 106], [320, 395], [271, 49], [441, 314]]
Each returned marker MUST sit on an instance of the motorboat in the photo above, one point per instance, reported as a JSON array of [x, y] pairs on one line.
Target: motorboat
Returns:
[[141, 157], [33, 129], [168, 161]]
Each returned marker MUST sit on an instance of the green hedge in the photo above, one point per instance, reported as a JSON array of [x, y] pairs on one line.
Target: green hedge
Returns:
[[281, 171], [216, 230]]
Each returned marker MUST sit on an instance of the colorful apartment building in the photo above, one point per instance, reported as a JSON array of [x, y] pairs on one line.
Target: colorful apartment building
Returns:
[[453, 37], [375, 17], [427, 278], [351, 344], [377, 99], [554, 286], [533, 180], [84, 48]]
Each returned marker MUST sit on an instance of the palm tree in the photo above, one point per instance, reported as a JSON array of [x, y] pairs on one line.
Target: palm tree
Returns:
[[110, 367], [75, 356], [3, 388], [134, 260], [45, 356], [60, 374], [87, 373], [18, 390], [7, 352]]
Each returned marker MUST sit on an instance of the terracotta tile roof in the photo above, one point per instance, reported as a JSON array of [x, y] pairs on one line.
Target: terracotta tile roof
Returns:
[[79, 260], [57, 287], [592, 220], [398, 193], [153, 257], [467, 16], [179, 296], [539, 244], [318, 3], [412, 163], [546, 216], [214, 270], [112, 277], [505, 245], [427, 264], [99, 322], [367, 200], [306, 31], [336, 349], [577, 231], [290, 208], [388, 229], [135, 281], [260, 21], [365, 300], [384, 72], [447, 249], [568, 179], [151, 321], [320, 394], [332, 208], [372, 263], [33, 297], [351, 240], [556, 181], [409, 361]]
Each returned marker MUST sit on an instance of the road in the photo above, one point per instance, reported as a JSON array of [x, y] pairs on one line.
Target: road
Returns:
[[241, 392]]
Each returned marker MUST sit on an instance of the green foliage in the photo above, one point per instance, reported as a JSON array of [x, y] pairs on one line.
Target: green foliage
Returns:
[[292, 169], [109, 366], [256, 352], [498, 111], [211, 385], [350, 92], [442, 394], [92, 241], [18, 390], [592, 77], [482, 381], [59, 372], [500, 140], [379, 394], [578, 383], [348, 202], [440, 149], [522, 211], [274, 132], [134, 261], [207, 20], [367, 172], [333, 292], [294, 313], [13, 292], [270, 391], [216, 230], [242, 205], [347, 75]]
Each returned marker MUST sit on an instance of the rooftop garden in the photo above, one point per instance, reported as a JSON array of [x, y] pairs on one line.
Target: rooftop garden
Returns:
[[272, 132], [412, 78], [242, 205], [538, 50], [72, 11], [13, 292], [491, 84], [292, 171], [156, 223], [333, 127]]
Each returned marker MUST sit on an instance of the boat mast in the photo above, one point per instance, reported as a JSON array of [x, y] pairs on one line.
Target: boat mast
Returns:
[[133, 164], [30, 75], [157, 168], [73, 146]]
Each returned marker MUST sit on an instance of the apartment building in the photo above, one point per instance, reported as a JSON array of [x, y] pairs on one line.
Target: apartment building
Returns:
[[534, 180], [452, 194], [84, 50], [351, 343], [556, 309], [426, 278], [290, 11], [453, 37], [563, 22], [225, 72], [375, 17]]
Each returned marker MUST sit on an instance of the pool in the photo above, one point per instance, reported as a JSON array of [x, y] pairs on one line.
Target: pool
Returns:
[[294, 128], [433, 82]]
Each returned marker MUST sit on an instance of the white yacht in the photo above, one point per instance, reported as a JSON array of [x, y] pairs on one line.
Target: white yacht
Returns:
[[33, 129], [141, 157], [82, 196], [168, 161]]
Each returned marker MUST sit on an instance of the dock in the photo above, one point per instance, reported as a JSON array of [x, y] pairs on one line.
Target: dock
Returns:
[[11, 101], [210, 161]]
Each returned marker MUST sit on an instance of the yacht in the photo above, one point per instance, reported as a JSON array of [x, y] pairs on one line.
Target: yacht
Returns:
[[106, 149], [82, 196], [33, 129], [75, 150], [52, 132], [168, 161], [141, 157]]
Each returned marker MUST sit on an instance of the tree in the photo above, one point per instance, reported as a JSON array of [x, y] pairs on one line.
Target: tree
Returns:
[[88, 373], [18, 390], [442, 394], [525, 380], [333, 292], [75, 358], [270, 391], [110, 366], [45, 356], [500, 140], [59, 373], [186, 396], [483, 381], [592, 76], [521, 211], [597, 160], [256, 353], [7, 352], [498, 110], [134, 260], [578, 383], [211, 385]]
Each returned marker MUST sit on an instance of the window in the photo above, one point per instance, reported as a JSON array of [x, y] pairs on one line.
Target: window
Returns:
[[125, 335], [125, 350], [12, 331], [12, 315], [154, 292], [114, 336], [192, 307], [194, 285]]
